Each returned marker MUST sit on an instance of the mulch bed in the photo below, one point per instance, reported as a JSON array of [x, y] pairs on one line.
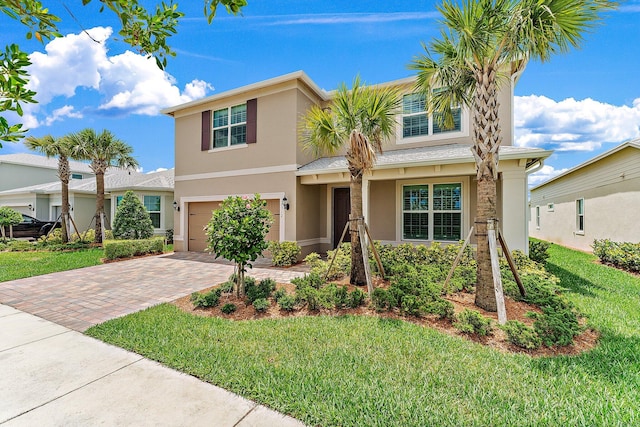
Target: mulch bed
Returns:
[[516, 310]]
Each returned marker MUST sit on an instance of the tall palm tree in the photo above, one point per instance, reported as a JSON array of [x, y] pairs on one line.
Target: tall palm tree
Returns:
[[486, 43], [60, 148], [359, 120], [104, 150]]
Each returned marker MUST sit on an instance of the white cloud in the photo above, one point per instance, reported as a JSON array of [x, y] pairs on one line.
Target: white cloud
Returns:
[[128, 83], [349, 18], [573, 125], [61, 113], [546, 173]]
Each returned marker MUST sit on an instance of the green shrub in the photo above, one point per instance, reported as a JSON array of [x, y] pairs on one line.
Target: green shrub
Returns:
[[287, 302], [279, 293], [538, 250], [114, 249], [8, 218], [227, 287], [312, 279], [556, 325], [89, 236], [356, 298], [341, 266], [284, 253], [228, 308], [441, 307], [132, 220], [521, 335], [209, 299], [379, 299], [411, 305], [261, 304], [624, 255], [472, 322], [341, 297], [254, 291]]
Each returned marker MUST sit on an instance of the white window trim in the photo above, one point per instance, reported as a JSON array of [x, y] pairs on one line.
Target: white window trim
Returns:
[[550, 207], [463, 132], [464, 211], [537, 217], [142, 196], [227, 148], [228, 126], [577, 217]]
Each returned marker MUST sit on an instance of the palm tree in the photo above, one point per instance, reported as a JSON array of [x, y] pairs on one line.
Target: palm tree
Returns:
[[486, 43], [60, 148], [359, 120], [104, 150]]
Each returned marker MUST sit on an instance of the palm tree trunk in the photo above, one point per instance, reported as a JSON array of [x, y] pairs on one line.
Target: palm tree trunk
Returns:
[[63, 174], [358, 276], [99, 205], [487, 139]]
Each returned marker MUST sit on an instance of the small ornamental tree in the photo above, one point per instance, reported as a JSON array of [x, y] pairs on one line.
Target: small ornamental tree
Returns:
[[8, 217], [237, 232], [132, 220]]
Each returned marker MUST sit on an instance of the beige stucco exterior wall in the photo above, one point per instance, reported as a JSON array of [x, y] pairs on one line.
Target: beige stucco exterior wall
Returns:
[[610, 188]]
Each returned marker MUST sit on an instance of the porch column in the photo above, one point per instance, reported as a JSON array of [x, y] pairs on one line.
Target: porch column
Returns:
[[514, 210]]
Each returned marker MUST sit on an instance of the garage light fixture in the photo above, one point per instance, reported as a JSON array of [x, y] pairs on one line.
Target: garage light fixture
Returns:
[[285, 203], [175, 206]]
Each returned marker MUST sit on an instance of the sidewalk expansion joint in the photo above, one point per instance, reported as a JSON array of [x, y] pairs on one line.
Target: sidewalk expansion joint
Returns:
[[38, 340], [72, 391], [255, 405]]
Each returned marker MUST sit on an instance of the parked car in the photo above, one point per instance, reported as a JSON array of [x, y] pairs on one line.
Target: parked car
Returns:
[[33, 228]]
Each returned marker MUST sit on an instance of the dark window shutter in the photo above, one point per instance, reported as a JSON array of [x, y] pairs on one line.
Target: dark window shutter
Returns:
[[252, 121], [206, 131]]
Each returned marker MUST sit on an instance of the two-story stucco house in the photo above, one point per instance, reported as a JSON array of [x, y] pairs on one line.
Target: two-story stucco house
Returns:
[[598, 199], [422, 189]]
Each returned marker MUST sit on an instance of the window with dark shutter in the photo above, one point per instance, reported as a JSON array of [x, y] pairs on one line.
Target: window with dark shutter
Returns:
[[206, 131]]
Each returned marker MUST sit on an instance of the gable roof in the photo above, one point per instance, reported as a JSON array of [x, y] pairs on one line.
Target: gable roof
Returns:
[[422, 156], [634, 143], [28, 159], [297, 75], [114, 180]]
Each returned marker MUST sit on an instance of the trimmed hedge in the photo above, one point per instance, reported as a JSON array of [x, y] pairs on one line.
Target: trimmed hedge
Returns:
[[114, 249], [625, 255]]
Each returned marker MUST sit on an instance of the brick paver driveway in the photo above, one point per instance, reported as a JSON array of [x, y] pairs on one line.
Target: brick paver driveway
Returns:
[[79, 299]]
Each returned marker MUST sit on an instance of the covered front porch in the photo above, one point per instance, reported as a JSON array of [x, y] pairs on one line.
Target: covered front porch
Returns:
[[423, 195]]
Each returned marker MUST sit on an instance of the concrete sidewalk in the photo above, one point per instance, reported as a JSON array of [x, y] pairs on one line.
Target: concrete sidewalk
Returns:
[[53, 376]]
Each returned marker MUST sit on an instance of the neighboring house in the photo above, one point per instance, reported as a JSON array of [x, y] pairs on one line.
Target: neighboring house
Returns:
[[154, 189], [599, 199], [422, 189], [24, 169]]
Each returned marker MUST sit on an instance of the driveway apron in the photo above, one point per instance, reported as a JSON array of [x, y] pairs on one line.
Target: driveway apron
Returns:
[[79, 299]]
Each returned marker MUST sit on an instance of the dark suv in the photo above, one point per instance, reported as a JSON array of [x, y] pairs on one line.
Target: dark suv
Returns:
[[32, 227]]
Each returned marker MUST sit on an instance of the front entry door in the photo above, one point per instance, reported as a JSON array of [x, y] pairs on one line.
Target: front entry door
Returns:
[[341, 209]]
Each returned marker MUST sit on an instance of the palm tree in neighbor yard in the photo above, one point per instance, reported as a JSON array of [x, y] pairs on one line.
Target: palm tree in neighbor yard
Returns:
[[60, 148], [104, 151], [485, 43], [359, 119]]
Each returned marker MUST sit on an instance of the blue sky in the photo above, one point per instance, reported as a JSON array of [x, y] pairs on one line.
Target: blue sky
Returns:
[[578, 104]]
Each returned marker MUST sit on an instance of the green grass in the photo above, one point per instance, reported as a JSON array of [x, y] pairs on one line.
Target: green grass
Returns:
[[17, 265], [352, 371]]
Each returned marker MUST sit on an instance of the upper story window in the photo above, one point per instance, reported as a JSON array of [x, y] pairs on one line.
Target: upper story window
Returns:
[[76, 176], [416, 122], [230, 126]]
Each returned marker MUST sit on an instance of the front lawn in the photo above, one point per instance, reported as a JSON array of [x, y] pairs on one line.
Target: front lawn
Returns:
[[18, 265], [370, 371]]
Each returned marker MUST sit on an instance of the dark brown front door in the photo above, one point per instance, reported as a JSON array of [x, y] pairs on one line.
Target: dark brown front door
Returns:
[[341, 209]]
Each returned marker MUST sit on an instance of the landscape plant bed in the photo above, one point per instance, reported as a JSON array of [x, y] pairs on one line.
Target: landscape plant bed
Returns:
[[516, 310]]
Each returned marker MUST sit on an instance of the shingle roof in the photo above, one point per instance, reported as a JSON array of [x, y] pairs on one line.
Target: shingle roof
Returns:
[[422, 156], [114, 180], [42, 162], [633, 143]]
